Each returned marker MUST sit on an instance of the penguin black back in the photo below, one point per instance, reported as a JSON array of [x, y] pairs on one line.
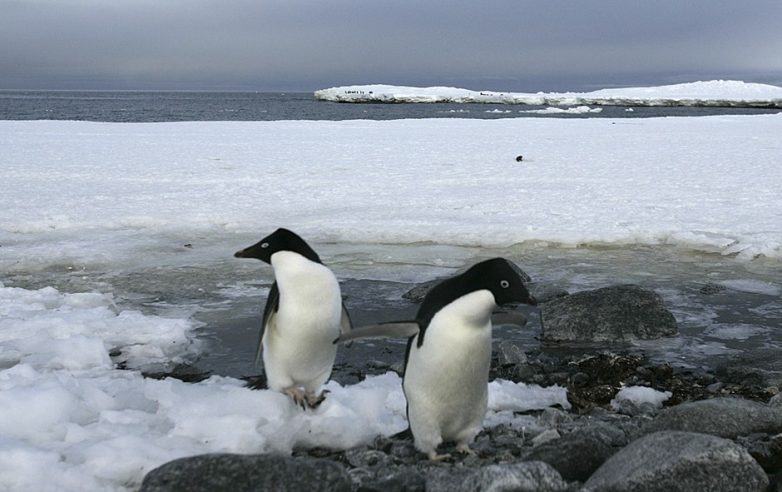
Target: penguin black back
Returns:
[[279, 240]]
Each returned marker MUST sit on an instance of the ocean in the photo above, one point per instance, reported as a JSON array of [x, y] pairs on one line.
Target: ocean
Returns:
[[141, 107]]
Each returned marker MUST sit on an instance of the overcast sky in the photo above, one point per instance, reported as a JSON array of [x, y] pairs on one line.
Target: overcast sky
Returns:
[[520, 45]]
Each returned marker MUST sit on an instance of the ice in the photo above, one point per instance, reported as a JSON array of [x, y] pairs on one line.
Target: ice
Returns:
[[70, 420], [753, 286], [130, 192], [700, 93], [575, 110], [640, 395]]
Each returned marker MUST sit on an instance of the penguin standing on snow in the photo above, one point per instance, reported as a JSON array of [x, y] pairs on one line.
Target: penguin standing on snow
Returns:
[[446, 380], [303, 315]]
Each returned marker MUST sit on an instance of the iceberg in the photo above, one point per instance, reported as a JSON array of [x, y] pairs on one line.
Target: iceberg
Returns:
[[712, 93]]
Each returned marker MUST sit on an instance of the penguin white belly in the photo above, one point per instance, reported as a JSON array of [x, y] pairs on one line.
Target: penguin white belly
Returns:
[[446, 379], [297, 346]]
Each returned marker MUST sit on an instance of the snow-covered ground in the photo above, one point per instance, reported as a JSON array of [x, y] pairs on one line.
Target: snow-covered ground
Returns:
[[80, 195], [732, 93]]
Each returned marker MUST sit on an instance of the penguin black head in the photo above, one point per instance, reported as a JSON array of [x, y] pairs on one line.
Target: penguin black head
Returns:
[[498, 276], [279, 240]]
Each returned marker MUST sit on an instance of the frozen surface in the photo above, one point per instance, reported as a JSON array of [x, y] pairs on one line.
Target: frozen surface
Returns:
[[90, 192], [702, 93], [639, 395]]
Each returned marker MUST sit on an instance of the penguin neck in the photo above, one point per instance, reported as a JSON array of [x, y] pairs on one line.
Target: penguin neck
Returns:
[[474, 308], [294, 270]]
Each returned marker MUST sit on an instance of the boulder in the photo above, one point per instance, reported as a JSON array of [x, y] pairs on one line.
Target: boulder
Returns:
[[578, 454], [532, 476], [672, 461], [611, 314], [235, 472], [723, 417]]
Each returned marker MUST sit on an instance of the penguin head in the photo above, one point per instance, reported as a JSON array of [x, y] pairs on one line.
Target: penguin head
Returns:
[[499, 277], [279, 240]]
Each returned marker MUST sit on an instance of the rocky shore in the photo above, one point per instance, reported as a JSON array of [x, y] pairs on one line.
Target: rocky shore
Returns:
[[717, 430]]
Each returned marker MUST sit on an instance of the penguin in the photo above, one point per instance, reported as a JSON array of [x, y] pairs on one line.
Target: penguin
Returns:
[[446, 378], [303, 314]]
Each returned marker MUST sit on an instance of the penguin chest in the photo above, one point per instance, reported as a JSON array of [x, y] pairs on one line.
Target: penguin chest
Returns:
[[446, 379], [299, 341]]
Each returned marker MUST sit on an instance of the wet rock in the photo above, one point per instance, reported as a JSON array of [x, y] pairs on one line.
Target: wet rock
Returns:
[[776, 401], [544, 293], [767, 450], [405, 479], [679, 461], [576, 455], [711, 289], [530, 476], [724, 417], [611, 314], [510, 352], [210, 472]]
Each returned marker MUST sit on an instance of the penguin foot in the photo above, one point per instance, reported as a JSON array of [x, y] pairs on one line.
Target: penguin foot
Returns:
[[315, 401], [433, 456], [465, 449], [298, 396]]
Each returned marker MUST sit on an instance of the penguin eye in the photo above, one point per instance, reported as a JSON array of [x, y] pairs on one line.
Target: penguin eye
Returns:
[[504, 284], [264, 245]]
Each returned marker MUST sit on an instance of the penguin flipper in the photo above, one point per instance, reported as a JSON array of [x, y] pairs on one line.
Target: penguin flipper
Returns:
[[395, 329], [345, 323], [269, 313]]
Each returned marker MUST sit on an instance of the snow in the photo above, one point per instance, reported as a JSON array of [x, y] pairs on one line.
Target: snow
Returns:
[[575, 110], [110, 196], [639, 395], [70, 421], [701, 93]]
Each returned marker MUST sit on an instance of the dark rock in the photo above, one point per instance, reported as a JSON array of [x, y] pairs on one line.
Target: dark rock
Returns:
[[724, 417], [405, 479], [544, 293], [711, 289], [576, 455], [529, 476], [767, 451], [611, 314], [679, 461], [367, 458], [510, 352], [210, 472]]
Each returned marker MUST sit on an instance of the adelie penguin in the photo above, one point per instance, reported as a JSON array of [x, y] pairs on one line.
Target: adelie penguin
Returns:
[[303, 315], [446, 380]]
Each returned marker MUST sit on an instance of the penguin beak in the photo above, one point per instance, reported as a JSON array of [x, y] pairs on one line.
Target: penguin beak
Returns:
[[241, 253]]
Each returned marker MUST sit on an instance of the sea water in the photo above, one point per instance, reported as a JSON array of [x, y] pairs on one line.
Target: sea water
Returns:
[[151, 106]]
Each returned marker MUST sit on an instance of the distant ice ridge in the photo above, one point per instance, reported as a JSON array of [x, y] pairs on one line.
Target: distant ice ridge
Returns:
[[732, 93]]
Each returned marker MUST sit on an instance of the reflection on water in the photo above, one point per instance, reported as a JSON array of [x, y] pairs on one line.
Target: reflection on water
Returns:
[[726, 308]]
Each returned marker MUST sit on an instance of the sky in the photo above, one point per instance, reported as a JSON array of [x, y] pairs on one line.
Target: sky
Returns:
[[303, 45]]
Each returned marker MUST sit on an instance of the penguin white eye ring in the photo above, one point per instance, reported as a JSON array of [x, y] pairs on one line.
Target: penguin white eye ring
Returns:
[[504, 284], [265, 245]]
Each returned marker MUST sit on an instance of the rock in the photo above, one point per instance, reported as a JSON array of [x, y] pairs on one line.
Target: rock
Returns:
[[776, 401], [367, 458], [210, 472], [611, 314], [711, 289], [576, 455], [679, 461], [417, 293], [544, 293], [544, 437], [397, 480], [510, 352], [723, 417], [529, 476], [446, 479], [766, 450]]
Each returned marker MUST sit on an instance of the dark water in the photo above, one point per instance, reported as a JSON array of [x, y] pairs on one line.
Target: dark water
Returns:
[[258, 106]]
